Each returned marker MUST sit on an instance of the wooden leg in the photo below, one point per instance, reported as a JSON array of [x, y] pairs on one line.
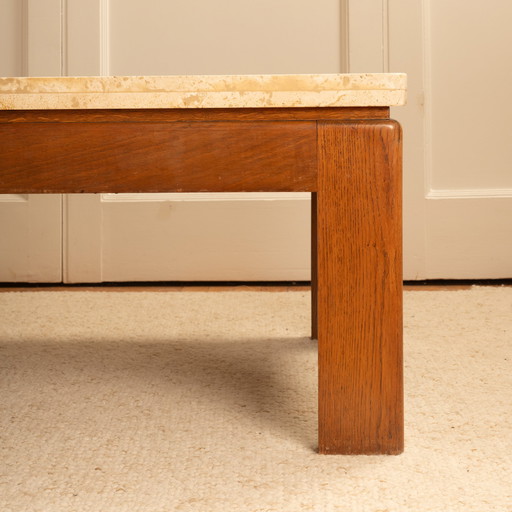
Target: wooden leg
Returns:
[[314, 273], [360, 287]]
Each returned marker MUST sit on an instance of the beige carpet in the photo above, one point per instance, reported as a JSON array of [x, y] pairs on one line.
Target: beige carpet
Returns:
[[206, 401]]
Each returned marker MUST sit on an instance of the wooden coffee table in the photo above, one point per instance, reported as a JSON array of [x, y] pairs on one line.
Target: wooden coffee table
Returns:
[[326, 134]]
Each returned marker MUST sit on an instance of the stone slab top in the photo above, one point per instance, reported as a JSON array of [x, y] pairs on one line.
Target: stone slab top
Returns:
[[203, 91]]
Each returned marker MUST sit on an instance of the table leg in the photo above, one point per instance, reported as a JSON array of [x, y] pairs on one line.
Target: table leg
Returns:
[[360, 287], [314, 267]]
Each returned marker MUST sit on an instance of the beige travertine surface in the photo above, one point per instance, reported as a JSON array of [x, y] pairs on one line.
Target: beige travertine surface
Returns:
[[200, 91]]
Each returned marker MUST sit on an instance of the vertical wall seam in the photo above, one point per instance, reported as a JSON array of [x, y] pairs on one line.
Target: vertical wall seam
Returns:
[[385, 36], [344, 37], [24, 37], [63, 197]]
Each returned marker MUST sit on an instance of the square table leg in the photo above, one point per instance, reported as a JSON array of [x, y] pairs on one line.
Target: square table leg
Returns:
[[359, 260]]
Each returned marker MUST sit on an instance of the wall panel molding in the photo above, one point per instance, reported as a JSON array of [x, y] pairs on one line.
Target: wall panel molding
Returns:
[[385, 36], [14, 198], [344, 36], [200, 196], [477, 193]]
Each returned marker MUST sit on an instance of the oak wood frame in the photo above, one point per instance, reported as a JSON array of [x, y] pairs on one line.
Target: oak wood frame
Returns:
[[348, 158]]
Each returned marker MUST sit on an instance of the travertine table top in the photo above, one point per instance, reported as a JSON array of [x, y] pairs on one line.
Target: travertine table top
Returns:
[[201, 91]]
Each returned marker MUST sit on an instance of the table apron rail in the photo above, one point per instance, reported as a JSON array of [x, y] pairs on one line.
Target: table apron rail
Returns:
[[116, 157]]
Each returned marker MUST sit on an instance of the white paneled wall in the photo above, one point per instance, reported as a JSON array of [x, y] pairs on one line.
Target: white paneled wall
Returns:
[[30, 225], [457, 171], [162, 237], [457, 154], [155, 37]]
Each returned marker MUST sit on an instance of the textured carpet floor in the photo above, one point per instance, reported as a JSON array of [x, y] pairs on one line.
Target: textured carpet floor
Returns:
[[206, 401]]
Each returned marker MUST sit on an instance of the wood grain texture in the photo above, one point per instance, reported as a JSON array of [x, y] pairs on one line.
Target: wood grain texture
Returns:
[[91, 157], [360, 288], [173, 115]]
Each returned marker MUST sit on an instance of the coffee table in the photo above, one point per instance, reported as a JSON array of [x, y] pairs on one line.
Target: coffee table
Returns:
[[329, 135]]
